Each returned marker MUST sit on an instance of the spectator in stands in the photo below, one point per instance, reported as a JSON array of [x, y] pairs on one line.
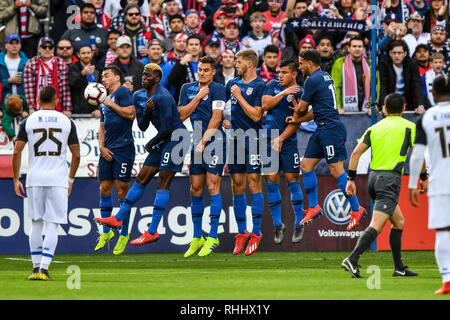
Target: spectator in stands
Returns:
[[325, 48], [269, 68], [47, 70], [257, 38], [186, 69], [155, 55], [437, 15], [192, 24], [88, 32], [115, 10], [417, 36], [213, 48], [155, 19], [138, 32], [346, 8], [394, 29], [300, 7], [400, 74], [64, 50], [351, 76], [22, 17], [274, 16], [214, 27], [230, 40], [131, 67], [12, 64], [101, 18], [422, 57], [227, 69], [437, 63], [439, 43], [176, 25], [307, 43], [111, 54], [13, 107], [397, 7], [179, 49], [81, 74], [420, 6], [322, 8], [171, 7]]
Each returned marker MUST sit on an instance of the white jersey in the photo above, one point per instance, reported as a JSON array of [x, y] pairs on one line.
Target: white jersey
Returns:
[[48, 133], [433, 130]]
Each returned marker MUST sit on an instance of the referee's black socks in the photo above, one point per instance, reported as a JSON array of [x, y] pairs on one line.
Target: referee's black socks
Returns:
[[395, 240], [363, 244]]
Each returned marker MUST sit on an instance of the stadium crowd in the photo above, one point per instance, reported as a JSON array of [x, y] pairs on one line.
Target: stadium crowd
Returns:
[[69, 50]]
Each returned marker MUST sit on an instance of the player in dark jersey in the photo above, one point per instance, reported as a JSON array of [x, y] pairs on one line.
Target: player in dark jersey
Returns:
[[277, 101], [328, 141], [117, 152], [155, 104], [243, 161], [203, 101]]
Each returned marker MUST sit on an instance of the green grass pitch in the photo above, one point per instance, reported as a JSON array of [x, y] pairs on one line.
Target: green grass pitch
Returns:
[[222, 276]]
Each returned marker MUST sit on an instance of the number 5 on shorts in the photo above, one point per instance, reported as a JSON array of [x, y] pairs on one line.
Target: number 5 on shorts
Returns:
[[123, 168]]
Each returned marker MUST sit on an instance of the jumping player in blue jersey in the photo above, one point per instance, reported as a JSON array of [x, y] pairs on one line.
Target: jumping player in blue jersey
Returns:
[[116, 146], [203, 101], [156, 105], [328, 141], [277, 101], [243, 160]]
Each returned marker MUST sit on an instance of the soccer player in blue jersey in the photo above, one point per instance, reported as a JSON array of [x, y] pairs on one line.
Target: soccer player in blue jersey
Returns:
[[204, 101], [116, 144], [277, 101], [328, 141], [155, 104], [243, 160]]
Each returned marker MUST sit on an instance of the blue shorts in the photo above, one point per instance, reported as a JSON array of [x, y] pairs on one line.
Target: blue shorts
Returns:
[[288, 160], [165, 157], [329, 143], [212, 160], [121, 166], [243, 156]]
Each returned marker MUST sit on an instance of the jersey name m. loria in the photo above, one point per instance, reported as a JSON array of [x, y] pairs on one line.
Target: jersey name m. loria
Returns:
[[433, 130], [48, 133]]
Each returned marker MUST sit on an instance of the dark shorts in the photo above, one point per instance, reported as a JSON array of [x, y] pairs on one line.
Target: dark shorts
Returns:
[[243, 157], [288, 160], [212, 160], [121, 166], [167, 156], [329, 143], [384, 189]]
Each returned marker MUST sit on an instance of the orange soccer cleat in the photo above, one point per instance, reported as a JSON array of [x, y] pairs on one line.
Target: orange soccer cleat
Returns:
[[444, 290], [311, 214], [356, 218], [145, 238], [109, 222], [239, 242], [253, 244]]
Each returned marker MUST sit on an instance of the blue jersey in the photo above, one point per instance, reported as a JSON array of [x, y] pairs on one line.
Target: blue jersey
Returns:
[[276, 117], [320, 93], [203, 113], [252, 93], [164, 116], [118, 130]]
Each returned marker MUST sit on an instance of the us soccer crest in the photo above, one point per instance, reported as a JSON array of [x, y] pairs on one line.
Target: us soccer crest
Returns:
[[205, 97], [249, 91], [290, 98]]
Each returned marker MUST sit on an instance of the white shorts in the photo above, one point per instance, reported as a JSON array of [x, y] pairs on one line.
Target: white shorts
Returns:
[[439, 211], [48, 203]]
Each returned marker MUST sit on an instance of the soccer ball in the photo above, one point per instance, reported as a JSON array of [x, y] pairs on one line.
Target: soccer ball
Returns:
[[95, 93]]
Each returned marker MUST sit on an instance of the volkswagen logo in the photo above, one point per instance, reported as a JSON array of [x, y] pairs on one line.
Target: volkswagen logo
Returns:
[[337, 207]]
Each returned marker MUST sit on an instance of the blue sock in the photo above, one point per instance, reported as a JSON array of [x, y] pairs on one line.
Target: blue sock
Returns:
[[216, 210], [134, 194], [159, 205], [106, 206], [197, 208], [342, 182], [125, 223], [257, 211], [310, 183], [274, 202], [296, 200], [240, 208]]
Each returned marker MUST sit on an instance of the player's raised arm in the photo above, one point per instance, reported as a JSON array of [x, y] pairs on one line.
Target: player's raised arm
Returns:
[[126, 98], [269, 100]]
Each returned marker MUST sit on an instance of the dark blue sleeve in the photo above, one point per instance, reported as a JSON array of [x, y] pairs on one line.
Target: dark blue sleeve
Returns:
[[166, 105], [183, 99], [269, 89], [102, 116], [142, 116], [259, 93], [219, 93], [125, 97], [228, 90], [309, 90]]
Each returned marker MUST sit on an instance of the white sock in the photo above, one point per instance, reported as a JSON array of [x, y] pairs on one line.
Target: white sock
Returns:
[[36, 242], [49, 245], [442, 254]]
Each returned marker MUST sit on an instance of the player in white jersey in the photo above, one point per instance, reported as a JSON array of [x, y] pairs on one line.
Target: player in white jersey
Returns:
[[433, 132], [49, 181]]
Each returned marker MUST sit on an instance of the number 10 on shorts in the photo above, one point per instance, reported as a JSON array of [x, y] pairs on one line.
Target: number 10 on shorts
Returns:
[[330, 151]]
